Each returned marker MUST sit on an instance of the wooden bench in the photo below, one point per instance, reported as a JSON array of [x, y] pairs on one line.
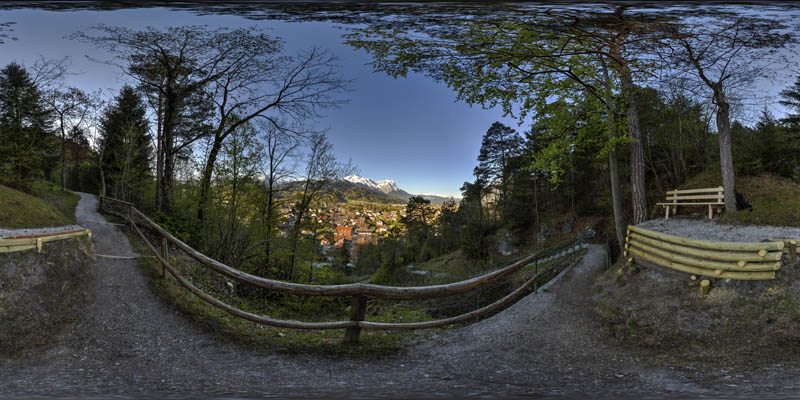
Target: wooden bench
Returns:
[[713, 198]]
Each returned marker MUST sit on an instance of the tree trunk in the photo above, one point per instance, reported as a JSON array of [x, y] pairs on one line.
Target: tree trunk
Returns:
[[159, 153], [638, 193], [616, 197], [725, 153], [205, 184]]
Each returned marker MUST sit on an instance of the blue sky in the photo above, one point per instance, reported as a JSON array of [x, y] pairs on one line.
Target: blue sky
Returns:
[[408, 129]]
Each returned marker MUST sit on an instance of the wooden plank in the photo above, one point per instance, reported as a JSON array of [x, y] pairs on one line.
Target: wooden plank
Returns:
[[701, 190], [353, 289], [696, 197], [739, 275], [708, 244], [115, 200], [705, 203], [750, 256], [697, 262]]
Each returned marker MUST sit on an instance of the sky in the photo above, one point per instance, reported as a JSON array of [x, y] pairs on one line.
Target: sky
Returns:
[[410, 130]]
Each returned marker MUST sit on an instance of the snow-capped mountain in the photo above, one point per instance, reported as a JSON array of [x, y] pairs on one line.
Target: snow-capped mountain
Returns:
[[390, 188], [384, 186]]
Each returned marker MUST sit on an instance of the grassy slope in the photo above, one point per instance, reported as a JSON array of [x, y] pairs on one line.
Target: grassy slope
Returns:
[[48, 206], [775, 200]]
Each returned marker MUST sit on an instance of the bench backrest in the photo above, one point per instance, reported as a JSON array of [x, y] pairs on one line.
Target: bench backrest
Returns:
[[707, 194]]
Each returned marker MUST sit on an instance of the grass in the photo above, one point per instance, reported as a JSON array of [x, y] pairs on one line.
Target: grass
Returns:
[[775, 200], [372, 344], [47, 206]]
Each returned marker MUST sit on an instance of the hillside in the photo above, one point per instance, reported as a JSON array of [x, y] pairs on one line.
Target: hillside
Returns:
[[775, 200], [47, 206]]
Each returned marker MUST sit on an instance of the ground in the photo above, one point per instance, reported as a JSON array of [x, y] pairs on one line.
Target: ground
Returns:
[[129, 342]]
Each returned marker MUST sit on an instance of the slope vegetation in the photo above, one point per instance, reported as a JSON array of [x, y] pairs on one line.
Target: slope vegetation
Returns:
[[48, 206]]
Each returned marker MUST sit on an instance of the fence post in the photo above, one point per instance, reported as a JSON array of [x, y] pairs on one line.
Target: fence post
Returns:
[[358, 310], [164, 253]]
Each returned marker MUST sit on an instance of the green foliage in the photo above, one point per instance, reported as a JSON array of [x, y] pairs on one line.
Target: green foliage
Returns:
[[27, 148], [766, 148], [48, 207], [125, 146]]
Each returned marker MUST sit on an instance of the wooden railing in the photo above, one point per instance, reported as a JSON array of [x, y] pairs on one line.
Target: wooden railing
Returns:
[[732, 260], [36, 241], [359, 292]]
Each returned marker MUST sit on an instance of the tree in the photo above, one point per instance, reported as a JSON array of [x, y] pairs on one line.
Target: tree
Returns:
[[500, 144], [725, 53], [417, 220], [71, 108], [790, 97], [126, 145], [279, 147], [321, 168], [26, 144], [282, 90]]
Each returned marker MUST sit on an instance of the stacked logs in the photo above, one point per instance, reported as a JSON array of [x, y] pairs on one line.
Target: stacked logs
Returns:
[[729, 260]]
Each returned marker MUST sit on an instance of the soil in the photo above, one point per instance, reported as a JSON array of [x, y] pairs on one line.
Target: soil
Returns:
[[552, 342]]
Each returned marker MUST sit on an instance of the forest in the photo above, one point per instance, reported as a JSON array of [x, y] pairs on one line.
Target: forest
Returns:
[[212, 134]]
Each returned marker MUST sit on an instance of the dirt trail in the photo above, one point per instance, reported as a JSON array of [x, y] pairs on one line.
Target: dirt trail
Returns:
[[130, 343]]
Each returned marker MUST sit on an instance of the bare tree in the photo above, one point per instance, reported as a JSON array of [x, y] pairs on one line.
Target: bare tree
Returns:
[[72, 108], [723, 54], [260, 83], [321, 169]]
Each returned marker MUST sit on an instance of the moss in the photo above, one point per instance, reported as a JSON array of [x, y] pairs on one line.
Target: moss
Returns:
[[20, 210]]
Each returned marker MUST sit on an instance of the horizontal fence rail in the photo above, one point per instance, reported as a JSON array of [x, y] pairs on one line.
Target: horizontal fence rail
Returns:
[[360, 292], [36, 241], [730, 260]]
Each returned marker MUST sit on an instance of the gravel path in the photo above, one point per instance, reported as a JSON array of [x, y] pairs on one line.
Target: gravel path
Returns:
[[711, 230], [130, 344]]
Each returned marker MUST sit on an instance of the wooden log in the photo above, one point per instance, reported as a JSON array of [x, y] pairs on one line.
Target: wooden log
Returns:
[[235, 311], [358, 310], [709, 254], [353, 289], [38, 245], [694, 277], [762, 253], [47, 238], [741, 263], [18, 247], [46, 234], [708, 244], [459, 318], [164, 252], [705, 287], [698, 262], [740, 275]]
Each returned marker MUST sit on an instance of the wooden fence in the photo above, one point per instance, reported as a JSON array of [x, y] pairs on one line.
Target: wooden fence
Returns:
[[36, 241], [359, 292], [733, 260]]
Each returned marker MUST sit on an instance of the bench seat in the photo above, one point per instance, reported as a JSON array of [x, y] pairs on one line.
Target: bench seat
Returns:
[[690, 197]]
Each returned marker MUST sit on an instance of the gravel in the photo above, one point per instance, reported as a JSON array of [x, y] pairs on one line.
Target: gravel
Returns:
[[4, 232], [551, 342], [710, 230]]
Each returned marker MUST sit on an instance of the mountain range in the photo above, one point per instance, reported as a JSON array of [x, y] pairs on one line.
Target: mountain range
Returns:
[[389, 188]]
